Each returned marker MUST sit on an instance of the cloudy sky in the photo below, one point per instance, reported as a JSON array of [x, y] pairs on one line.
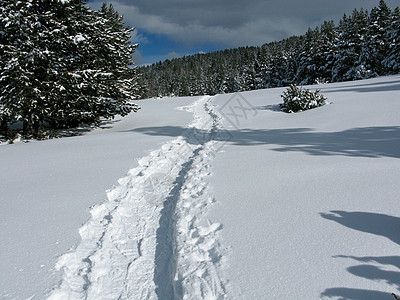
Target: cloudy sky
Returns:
[[173, 28]]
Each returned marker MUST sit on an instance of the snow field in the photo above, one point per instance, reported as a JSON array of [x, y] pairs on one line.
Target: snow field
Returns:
[[312, 200], [47, 187], [130, 248], [308, 202]]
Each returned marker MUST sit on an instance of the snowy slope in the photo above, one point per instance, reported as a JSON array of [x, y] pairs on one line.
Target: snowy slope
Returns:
[[312, 209], [148, 240], [47, 187], [227, 198]]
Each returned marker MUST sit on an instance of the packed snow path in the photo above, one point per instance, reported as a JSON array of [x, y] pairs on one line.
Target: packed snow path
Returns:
[[152, 238]]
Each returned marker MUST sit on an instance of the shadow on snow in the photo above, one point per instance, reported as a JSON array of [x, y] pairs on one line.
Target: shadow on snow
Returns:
[[355, 294], [370, 142], [382, 86], [358, 142], [377, 224]]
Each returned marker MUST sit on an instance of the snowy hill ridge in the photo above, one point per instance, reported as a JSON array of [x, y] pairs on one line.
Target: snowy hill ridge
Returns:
[[130, 247]]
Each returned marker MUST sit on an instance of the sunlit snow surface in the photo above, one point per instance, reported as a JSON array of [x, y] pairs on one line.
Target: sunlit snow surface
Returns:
[[219, 197]]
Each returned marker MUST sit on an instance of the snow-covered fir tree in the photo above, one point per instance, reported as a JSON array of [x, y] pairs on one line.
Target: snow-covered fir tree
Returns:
[[352, 33], [96, 67], [392, 61], [326, 58], [63, 64], [28, 77], [309, 61], [375, 46], [274, 65]]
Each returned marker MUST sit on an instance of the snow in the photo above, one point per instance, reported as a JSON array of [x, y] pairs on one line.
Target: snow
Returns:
[[127, 242], [223, 197], [47, 188], [79, 38], [312, 198]]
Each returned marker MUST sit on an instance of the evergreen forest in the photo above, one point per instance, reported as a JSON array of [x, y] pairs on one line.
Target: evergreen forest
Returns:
[[363, 45]]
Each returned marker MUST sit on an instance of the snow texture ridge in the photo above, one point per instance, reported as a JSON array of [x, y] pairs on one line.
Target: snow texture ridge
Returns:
[[152, 238]]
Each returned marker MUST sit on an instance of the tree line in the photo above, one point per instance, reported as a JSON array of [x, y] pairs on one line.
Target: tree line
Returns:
[[363, 45], [62, 64]]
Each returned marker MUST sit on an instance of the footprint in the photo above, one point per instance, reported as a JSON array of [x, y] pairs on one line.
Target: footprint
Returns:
[[204, 231]]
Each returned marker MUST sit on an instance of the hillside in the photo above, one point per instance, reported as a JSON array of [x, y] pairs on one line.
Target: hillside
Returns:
[[220, 197]]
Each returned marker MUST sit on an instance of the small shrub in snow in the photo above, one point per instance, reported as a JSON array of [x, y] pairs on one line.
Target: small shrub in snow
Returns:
[[298, 99]]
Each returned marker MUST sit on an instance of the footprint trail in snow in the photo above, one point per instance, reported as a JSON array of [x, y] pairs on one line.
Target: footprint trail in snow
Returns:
[[152, 238]]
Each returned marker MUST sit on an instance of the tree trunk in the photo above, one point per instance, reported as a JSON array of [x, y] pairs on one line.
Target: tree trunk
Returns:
[[4, 128], [26, 126]]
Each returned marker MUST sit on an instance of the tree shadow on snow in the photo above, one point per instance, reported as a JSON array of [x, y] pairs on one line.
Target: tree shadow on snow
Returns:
[[383, 260], [272, 107], [358, 142], [364, 89], [372, 267], [355, 294], [377, 224], [363, 86]]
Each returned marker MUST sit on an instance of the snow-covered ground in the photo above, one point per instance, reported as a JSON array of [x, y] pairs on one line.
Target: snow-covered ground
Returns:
[[219, 197]]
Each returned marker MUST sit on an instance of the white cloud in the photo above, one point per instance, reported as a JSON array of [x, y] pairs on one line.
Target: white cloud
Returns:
[[137, 58], [137, 37], [173, 55]]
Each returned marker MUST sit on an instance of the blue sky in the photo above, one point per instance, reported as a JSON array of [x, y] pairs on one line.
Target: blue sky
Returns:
[[158, 47], [174, 28]]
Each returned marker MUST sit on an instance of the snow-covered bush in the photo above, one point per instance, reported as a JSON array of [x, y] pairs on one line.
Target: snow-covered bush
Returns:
[[298, 99]]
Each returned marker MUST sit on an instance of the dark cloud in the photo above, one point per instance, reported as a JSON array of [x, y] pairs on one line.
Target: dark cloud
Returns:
[[233, 22]]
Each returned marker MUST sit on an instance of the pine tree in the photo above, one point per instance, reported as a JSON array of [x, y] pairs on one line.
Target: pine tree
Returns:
[[63, 64], [292, 49], [351, 37], [328, 49], [260, 69], [28, 77], [309, 58], [277, 63], [376, 43], [99, 82], [116, 39], [392, 62]]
